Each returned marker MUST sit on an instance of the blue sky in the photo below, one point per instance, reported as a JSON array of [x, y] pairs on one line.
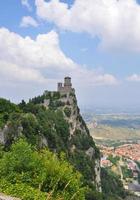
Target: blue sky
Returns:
[[94, 42]]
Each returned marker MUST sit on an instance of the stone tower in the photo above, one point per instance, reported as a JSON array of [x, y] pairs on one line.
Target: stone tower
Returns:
[[67, 83], [66, 87], [59, 86]]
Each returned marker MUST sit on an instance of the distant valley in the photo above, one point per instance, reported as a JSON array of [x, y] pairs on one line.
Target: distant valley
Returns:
[[115, 129], [118, 137]]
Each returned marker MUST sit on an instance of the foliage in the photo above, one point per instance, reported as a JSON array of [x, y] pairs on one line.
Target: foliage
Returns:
[[37, 121], [63, 95], [83, 164], [30, 126], [93, 195], [31, 107], [56, 95], [72, 94], [6, 108], [21, 190], [40, 99], [138, 164], [82, 141], [111, 183], [127, 173], [139, 177], [113, 159], [1, 151], [47, 95], [55, 104], [80, 118], [29, 174], [53, 125]]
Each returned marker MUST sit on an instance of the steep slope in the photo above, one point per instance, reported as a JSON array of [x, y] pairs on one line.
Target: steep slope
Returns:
[[82, 149], [54, 120]]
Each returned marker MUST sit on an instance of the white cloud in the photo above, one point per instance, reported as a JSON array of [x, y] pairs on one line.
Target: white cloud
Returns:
[[84, 77], [41, 61], [115, 22], [133, 78], [26, 4], [28, 21], [12, 73], [42, 52]]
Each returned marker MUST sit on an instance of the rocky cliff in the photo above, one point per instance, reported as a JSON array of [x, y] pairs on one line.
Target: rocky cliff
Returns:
[[132, 198], [54, 120], [80, 140], [4, 197]]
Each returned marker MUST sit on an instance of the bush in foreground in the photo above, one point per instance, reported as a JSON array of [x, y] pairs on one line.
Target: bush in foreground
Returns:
[[29, 174]]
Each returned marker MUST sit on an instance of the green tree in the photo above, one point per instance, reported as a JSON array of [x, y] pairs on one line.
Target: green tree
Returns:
[[6, 108], [111, 184], [38, 173]]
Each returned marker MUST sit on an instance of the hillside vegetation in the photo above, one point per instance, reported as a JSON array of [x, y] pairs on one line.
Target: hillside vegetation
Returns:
[[40, 159]]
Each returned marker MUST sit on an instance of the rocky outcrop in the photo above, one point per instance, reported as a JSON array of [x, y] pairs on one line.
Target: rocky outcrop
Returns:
[[79, 132], [4, 197], [2, 138], [75, 141], [43, 141], [97, 175], [132, 198], [6, 136]]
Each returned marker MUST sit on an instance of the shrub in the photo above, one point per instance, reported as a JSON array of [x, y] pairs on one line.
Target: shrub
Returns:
[[56, 95], [84, 165], [55, 104], [6, 108], [114, 160], [127, 173], [111, 183], [93, 195], [31, 175], [82, 140], [63, 95]]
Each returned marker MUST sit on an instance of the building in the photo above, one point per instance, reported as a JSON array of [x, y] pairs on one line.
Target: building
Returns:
[[105, 163], [66, 87]]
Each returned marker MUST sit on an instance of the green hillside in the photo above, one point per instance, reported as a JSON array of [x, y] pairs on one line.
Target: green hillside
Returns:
[[40, 159]]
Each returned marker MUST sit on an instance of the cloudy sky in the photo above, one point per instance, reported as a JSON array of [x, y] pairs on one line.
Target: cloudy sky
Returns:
[[96, 42]]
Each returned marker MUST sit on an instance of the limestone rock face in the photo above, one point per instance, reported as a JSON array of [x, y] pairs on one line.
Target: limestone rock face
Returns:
[[79, 133], [5, 134], [2, 138], [43, 141], [4, 197], [72, 113], [97, 173], [78, 126], [80, 147], [132, 198], [90, 152]]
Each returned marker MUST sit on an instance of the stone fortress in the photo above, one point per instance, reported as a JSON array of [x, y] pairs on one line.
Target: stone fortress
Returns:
[[66, 87]]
